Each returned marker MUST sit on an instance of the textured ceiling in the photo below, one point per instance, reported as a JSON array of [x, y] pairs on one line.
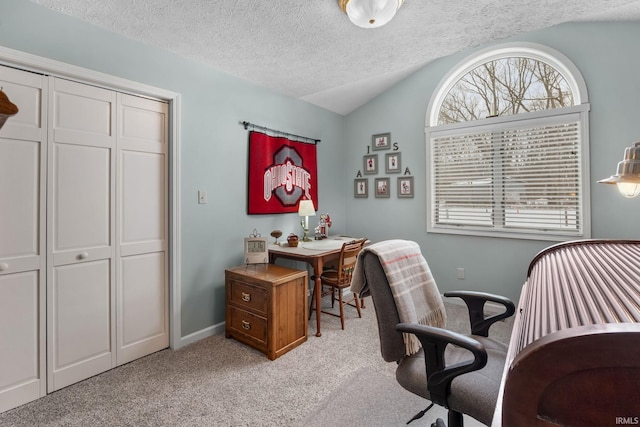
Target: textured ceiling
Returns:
[[308, 49]]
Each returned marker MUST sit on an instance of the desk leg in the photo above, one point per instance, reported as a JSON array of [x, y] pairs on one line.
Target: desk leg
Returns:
[[317, 272]]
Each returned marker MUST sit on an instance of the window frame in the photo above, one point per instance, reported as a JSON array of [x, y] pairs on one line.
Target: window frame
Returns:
[[580, 109]]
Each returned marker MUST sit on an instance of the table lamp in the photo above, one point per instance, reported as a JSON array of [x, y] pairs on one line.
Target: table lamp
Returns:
[[306, 209]]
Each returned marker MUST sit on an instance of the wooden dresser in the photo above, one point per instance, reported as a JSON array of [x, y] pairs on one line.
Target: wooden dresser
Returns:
[[267, 307]]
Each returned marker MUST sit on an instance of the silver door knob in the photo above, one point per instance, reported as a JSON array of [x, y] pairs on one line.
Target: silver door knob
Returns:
[[4, 266]]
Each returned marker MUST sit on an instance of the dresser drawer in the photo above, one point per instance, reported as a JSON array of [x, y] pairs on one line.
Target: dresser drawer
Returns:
[[248, 324], [248, 296]]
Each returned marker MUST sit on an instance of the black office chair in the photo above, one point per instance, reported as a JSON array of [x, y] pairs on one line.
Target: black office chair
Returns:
[[463, 377]]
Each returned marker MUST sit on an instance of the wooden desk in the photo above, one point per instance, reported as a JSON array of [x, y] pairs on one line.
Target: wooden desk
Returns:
[[315, 253]]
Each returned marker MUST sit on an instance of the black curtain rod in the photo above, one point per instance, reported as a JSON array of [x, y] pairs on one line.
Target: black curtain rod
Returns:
[[247, 125]]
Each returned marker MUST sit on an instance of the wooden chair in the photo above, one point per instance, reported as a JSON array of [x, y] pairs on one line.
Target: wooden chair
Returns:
[[339, 278]]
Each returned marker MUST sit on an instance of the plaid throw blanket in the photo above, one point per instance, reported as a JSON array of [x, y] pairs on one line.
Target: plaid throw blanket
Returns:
[[413, 288]]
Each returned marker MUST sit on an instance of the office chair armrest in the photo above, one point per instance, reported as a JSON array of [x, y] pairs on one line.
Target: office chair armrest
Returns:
[[434, 342], [475, 304]]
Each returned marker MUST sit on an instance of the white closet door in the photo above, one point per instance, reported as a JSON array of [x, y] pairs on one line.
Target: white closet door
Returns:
[[80, 228], [142, 224], [22, 240]]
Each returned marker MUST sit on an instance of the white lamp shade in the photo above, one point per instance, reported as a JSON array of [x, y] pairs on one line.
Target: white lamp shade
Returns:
[[629, 189], [372, 13], [306, 208]]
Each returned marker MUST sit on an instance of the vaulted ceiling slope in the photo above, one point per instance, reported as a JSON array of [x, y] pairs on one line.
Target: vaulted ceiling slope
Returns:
[[308, 49]]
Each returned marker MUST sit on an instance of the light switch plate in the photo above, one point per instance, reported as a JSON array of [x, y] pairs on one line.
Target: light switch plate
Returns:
[[202, 197]]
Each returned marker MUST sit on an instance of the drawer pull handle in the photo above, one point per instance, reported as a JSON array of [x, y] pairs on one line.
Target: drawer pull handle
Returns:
[[246, 325], [246, 297], [4, 266], [83, 255]]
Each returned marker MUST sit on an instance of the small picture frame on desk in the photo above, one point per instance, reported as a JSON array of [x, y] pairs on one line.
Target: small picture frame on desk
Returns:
[[361, 188], [382, 187]]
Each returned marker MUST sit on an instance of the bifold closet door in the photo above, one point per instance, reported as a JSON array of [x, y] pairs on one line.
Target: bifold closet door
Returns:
[[22, 240], [142, 228], [81, 233]]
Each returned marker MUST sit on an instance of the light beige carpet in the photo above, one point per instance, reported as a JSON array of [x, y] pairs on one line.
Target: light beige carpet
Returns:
[[221, 382], [370, 398]]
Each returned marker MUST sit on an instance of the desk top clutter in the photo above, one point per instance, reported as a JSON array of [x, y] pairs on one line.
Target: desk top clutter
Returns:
[[326, 244], [329, 244], [292, 240]]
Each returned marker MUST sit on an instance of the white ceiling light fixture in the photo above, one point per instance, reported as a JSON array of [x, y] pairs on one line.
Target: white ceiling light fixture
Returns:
[[370, 13]]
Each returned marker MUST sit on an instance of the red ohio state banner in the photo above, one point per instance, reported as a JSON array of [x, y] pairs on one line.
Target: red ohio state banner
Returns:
[[281, 173]]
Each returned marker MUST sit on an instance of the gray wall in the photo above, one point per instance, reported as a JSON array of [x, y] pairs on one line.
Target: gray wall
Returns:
[[214, 149], [607, 56]]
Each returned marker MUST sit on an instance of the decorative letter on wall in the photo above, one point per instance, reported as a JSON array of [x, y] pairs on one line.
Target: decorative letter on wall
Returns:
[[281, 173]]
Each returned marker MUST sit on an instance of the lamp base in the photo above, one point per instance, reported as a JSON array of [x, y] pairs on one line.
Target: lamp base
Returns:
[[305, 227], [305, 237]]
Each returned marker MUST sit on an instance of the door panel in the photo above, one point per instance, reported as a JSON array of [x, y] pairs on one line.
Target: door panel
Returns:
[[143, 124], [142, 287], [143, 315], [143, 200], [20, 370], [80, 226], [80, 322], [22, 240], [20, 200], [25, 90], [81, 206], [82, 113]]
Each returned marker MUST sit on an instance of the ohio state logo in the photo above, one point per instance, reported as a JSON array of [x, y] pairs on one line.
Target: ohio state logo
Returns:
[[286, 179]]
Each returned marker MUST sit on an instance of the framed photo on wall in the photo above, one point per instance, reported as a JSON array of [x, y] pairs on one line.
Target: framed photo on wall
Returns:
[[381, 141], [405, 187], [361, 188], [392, 163], [382, 187], [371, 164]]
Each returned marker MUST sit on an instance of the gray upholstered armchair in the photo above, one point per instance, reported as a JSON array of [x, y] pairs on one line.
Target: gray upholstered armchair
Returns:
[[464, 377]]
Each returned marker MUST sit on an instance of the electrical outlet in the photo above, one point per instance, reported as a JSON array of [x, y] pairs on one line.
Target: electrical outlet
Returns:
[[460, 273], [202, 197]]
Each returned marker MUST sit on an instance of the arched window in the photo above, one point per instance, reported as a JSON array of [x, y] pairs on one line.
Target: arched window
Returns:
[[507, 144]]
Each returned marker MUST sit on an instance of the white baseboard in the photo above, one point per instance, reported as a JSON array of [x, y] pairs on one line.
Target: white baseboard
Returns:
[[201, 334]]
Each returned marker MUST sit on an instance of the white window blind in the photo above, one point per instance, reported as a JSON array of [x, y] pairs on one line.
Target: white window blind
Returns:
[[521, 176]]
